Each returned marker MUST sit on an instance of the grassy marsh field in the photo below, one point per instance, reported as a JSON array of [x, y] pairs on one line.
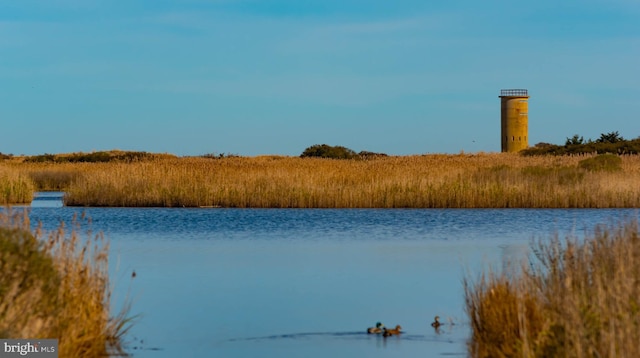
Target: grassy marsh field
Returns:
[[498, 180]]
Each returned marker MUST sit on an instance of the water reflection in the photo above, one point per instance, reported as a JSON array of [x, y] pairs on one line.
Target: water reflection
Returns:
[[47, 200], [272, 282]]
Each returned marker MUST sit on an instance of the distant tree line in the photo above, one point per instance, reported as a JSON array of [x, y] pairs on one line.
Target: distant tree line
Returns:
[[337, 152], [611, 142], [94, 157]]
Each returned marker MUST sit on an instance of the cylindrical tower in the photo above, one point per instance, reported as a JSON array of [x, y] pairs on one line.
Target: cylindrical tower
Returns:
[[514, 118]]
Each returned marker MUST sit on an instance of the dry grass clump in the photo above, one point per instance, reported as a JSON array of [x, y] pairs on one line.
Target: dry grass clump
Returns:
[[580, 298], [56, 285], [15, 186]]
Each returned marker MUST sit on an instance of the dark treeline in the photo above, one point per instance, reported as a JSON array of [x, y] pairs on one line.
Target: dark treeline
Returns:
[[94, 157], [611, 142], [337, 152]]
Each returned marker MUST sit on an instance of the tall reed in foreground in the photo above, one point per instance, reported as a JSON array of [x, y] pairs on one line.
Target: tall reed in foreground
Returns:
[[55, 285], [579, 298]]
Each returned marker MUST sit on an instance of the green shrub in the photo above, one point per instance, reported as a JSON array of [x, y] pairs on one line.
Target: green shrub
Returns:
[[603, 162], [327, 151], [366, 154]]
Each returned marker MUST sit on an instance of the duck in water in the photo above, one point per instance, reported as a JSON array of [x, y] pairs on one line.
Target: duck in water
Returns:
[[436, 322], [375, 330], [392, 331]]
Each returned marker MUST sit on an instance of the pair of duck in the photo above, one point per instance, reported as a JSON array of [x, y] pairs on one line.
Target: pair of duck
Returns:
[[380, 328], [386, 332]]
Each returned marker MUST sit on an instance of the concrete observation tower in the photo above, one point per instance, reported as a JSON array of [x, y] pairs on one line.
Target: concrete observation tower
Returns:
[[514, 119]]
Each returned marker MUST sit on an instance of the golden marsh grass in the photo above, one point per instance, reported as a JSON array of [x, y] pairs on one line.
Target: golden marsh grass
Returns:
[[56, 285], [497, 180], [578, 299], [15, 186]]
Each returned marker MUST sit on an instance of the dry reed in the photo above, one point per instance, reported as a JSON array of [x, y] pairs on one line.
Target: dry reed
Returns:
[[497, 180], [579, 298], [56, 285], [15, 186], [432, 181]]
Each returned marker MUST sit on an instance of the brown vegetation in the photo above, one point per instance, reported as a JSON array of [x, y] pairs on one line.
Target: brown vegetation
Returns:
[[580, 298], [56, 285], [15, 186], [498, 180]]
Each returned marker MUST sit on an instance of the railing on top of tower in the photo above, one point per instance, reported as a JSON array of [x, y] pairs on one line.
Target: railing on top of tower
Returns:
[[513, 92]]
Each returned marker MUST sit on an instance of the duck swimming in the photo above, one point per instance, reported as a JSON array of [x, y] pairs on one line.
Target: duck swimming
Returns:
[[436, 323], [393, 331], [377, 329]]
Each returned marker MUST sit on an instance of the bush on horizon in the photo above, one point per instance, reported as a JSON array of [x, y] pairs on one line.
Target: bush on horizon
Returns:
[[606, 162], [327, 151]]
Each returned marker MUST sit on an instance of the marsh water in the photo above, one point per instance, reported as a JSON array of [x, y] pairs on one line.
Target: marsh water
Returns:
[[214, 282]]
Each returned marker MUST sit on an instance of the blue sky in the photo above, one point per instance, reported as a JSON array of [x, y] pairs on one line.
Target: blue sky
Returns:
[[274, 77]]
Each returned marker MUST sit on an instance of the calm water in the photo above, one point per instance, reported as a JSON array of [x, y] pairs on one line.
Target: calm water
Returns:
[[306, 283]]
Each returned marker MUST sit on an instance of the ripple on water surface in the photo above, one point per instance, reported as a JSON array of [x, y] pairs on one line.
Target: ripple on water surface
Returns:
[[306, 282]]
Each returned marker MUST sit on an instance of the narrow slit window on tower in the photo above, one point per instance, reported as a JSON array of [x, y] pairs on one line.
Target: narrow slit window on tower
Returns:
[[513, 139], [519, 139]]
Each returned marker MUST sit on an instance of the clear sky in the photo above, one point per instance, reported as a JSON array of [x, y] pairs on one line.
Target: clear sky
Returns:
[[252, 77]]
